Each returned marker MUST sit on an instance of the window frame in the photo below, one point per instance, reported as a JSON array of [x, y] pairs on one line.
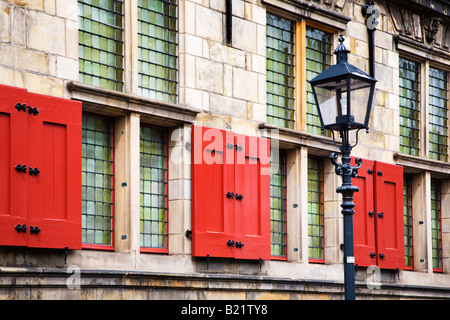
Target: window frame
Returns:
[[105, 247], [119, 67], [300, 79], [420, 108], [408, 203], [439, 220], [289, 122], [172, 97], [429, 124], [332, 32], [322, 214], [166, 138], [284, 222]]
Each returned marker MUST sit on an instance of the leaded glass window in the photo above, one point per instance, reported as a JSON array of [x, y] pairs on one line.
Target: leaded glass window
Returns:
[[278, 204], [280, 65], [436, 240], [315, 209], [153, 188], [409, 106], [100, 43], [407, 220], [157, 36], [438, 100], [318, 58], [97, 180]]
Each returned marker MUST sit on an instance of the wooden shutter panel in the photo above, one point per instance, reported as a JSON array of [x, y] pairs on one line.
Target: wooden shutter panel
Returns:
[[252, 212], [225, 167], [54, 194], [43, 133], [389, 215], [364, 217], [13, 151], [212, 178]]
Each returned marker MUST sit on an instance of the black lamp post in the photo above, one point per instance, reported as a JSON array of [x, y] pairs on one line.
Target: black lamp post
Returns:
[[343, 96]]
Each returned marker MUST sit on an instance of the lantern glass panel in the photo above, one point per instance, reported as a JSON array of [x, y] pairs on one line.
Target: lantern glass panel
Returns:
[[332, 101], [359, 95]]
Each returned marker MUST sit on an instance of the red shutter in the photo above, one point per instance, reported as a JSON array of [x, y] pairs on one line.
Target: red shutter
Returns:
[[364, 217], [389, 215], [13, 151], [225, 167], [252, 212], [54, 195], [42, 133], [212, 178]]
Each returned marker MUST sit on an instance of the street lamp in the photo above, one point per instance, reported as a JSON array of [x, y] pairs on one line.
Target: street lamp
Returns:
[[343, 95]]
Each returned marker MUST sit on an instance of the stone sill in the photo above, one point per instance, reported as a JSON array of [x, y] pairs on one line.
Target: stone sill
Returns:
[[416, 164], [291, 138], [114, 103]]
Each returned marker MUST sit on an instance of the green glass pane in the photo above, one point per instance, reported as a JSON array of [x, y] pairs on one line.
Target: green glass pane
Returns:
[[157, 49], [100, 34], [96, 180]]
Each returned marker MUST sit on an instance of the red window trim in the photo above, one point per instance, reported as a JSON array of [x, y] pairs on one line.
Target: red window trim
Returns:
[[104, 247], [166, 249]]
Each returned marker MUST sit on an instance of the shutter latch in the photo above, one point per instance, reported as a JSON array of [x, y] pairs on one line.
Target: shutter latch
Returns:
[[239, 244], [21, 228], [21, 168], [34, 230], [34, 171], [21, 107], [34, 111]]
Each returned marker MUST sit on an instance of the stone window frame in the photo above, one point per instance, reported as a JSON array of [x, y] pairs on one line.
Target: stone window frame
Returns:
[[422, 168], [128, 113], [130, 53], [298, 144]]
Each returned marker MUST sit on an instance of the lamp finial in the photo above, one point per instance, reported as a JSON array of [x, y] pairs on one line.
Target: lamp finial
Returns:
[[341, 51]]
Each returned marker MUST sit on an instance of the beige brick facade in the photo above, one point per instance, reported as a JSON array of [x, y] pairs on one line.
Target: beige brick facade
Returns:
[[224, 86]]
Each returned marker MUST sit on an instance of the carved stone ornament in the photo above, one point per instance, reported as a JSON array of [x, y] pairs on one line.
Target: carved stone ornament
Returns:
[[431, 27]]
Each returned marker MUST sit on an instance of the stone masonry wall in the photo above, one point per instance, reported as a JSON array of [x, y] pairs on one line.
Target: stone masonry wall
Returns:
[[227, 82], [38, 44]]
